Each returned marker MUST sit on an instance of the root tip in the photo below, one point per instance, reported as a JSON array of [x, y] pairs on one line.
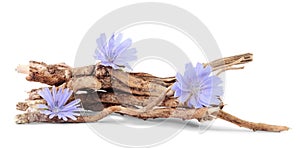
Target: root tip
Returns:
[[22, 69]]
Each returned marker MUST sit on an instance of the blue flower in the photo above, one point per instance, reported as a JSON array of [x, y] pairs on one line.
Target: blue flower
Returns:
[[56, 103], [115, 52], [197, 88]]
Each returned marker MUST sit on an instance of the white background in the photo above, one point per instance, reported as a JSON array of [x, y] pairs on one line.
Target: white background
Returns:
[[267, 90]]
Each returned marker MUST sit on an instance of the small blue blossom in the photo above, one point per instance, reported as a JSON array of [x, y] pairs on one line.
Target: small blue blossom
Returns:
[[56, 103], [115, 52], [197, 88]]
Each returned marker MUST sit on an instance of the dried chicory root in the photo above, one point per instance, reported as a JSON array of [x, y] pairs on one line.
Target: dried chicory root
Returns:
[[103, 89]]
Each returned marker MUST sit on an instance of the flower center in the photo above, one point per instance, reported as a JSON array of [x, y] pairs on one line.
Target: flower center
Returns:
[[195, 89], [110, 59], [56, 110]]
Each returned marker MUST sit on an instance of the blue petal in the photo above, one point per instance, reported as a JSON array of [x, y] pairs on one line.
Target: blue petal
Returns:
[[52, 115], [101, 52], [42, 106], [181, 81], [59, 115], [206, 72], [65, 118], [177, 93], [46, 112], [118, 39], [73, 103], [204, 100], [111, 42], [59, 93], [99, 55], [190, 73], [70, 109], [65, 97], [195, 101], [216, 80], [218, 91], [101, 41], [176, 89], [206, 83], [184, 97], [46, 95], [210, 84], [199, 69], [192, 101], [70, 115], [122, 47], [179, 78], [206, 92], [75, 114], [110, 51], [127, 55], [102, 48]]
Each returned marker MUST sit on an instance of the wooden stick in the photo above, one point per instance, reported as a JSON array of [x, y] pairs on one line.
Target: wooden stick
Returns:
[[185, 114], [251, 125], [101, 77]]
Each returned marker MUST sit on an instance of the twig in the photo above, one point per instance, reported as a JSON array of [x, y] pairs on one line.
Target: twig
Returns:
[[229, 68], [185, 114], [247, 57], [31, 117], [251, 125]]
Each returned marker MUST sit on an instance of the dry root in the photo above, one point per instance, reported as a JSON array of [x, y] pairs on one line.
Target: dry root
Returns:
[[139, 95]]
